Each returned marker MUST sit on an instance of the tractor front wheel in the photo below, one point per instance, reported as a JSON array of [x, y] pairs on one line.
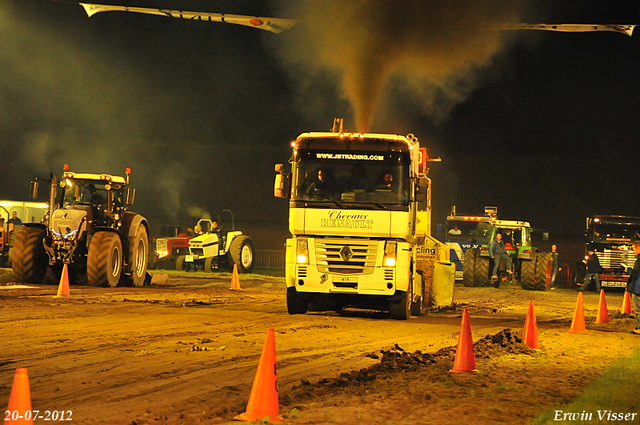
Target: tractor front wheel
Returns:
[[242, 254], [104, 261]]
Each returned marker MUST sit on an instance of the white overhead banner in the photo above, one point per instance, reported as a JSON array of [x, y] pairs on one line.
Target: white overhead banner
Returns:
[[275, 25], [624, 29]]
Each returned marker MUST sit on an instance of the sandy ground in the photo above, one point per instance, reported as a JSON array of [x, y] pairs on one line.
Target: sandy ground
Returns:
[[186, 350]]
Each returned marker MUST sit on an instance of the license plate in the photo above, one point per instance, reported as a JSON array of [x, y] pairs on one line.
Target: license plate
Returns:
[[188, 258], [345, 280], [613, 284]]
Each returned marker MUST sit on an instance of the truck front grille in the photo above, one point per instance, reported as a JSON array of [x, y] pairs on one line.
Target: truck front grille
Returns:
[[614, 258], [197, 251], [346, 256]]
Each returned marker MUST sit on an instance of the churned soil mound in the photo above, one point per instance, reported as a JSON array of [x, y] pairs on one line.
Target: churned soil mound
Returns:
[[514, 384], [396, 360]]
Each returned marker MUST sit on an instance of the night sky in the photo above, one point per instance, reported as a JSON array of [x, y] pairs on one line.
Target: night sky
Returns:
[[543, 125]]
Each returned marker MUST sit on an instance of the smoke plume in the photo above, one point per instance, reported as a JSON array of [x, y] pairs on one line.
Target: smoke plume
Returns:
[[434, 46]]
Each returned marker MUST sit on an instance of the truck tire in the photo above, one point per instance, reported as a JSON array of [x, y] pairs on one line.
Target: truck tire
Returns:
[[527, 274], [295, 303], [481, 272], [543, 271], [29, 259], [104, 261], [401, 309], [139, 257], [241, 253], [419, 308], [469, 267]]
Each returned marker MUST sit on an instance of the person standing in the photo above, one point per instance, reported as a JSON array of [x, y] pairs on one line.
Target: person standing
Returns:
[[15, 220], [633, 286], [555, 265], [593, 268], [497, 251]]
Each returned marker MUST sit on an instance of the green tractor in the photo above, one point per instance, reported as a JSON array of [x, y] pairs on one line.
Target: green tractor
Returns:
[[531, 267]]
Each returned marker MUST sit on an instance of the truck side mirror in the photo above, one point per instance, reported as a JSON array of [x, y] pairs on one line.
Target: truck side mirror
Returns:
[[131, 196], [34, 189], [278, 186], [422, 187], [279, 190]]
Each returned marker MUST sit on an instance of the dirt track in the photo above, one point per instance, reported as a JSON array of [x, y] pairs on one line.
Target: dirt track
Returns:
[[186, 352]]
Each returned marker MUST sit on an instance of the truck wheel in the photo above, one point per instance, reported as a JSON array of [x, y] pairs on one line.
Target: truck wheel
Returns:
[[420, 308], [401, 309], [139, 256], [481, 272], [295, 303], [543, 271], [104, 261], [469, 267], [241, 253], [29, 260], [527, 274], [211, 264]]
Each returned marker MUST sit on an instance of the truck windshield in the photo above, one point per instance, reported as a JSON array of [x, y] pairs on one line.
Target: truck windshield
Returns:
[[608, 231], [461, 230], [471, 231], [89, 192], [380, 178]]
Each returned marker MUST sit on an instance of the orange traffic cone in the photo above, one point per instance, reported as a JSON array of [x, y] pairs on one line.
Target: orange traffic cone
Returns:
[[235, 280], [19, 409], [603, 313], [63, 287], [263, 401], [626, 304], [530, 333], [465, 361], [577, 324]]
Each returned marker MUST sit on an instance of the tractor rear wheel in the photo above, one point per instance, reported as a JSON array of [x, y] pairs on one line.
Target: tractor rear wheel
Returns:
[[469, 267], [481, 272], [543, 271], [527, 274], [241, 253], [139, 256], [104, 261], [29, 259]]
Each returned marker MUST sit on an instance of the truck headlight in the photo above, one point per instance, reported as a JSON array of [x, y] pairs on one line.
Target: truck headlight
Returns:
[[162, 254], [390, 253], [302, 252]]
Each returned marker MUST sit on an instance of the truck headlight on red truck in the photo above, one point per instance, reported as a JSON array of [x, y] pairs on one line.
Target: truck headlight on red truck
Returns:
[[390, 253], [302, 251]]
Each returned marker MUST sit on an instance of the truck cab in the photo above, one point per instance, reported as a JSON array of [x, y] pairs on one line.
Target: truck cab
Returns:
[[359, 216]]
